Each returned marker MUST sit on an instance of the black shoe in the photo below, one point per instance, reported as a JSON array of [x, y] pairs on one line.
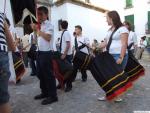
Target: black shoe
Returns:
[[33, 74], [49, 100], [59, 86], [84, 79], [68, 89], [41, 96], [18, 81]]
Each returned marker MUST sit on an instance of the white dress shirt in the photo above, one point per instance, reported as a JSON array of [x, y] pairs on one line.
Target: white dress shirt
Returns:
[[44, 45], [66, 38], [115, 47], [84, 40]]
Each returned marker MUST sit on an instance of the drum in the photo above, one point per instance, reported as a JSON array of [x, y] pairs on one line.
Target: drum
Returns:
[[82, 60], [62, 68], [18, 65], [109, 75], [133, 68]]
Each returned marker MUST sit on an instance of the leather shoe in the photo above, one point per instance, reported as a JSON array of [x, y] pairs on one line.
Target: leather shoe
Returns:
[[49, 100], [68, 89], [58, 86], [41, 96]]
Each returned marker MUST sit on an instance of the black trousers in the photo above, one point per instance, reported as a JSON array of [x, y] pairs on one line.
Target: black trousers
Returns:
[[25, 58], [73, 76], [45, 74], [68, 81], [83, 73], [33, 66]]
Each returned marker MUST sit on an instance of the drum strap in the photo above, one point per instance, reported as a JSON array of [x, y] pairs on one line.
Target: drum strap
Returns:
[[84, 45], [110, 40], [76, 43], [61, 40], [130, 45]]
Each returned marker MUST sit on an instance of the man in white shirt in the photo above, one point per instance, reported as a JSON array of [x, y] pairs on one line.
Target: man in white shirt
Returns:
[[65, 42], [44, 59], [65, 48], [79, 41], [25, 49], [141, 48]]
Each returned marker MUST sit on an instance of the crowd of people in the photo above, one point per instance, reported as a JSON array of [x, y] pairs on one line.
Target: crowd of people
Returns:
[[107, 59]]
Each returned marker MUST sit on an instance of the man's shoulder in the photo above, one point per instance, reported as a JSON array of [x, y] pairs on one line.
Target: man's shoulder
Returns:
[[85, 37], [66, 33]]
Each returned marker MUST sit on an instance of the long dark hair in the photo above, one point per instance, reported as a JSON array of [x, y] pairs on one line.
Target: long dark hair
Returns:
[[129, 25], [115, 18]]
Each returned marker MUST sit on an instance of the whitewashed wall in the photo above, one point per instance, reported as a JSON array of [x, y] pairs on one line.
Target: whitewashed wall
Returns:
[[93, 22], [58, 13], [140, 10]]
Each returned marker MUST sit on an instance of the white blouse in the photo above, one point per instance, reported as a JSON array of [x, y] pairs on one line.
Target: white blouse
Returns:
[[115, 47]]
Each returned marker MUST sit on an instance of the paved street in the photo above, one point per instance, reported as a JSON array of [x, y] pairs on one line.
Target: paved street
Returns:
[[82, 99]]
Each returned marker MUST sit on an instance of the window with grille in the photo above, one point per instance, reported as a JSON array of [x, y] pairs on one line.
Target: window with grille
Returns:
[[129, 3]]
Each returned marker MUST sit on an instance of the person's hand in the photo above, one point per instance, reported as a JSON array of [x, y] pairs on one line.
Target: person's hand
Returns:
[[63, 56], [119, 61]]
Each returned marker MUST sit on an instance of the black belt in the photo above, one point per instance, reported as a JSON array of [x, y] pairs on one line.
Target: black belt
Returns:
[[45, 52]]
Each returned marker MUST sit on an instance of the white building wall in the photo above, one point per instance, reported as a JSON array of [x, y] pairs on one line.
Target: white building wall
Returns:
[[93, 22], [140, 10], [58, 13]]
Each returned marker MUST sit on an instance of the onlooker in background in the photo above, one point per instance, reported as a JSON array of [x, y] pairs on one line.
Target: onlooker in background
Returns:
[[141, 48], [6, 44], [25, 49], [58, 44], [33, 50], [132, 39]]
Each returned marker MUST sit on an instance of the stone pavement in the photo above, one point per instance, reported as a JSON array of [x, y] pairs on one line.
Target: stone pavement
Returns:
[[82, 99]]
